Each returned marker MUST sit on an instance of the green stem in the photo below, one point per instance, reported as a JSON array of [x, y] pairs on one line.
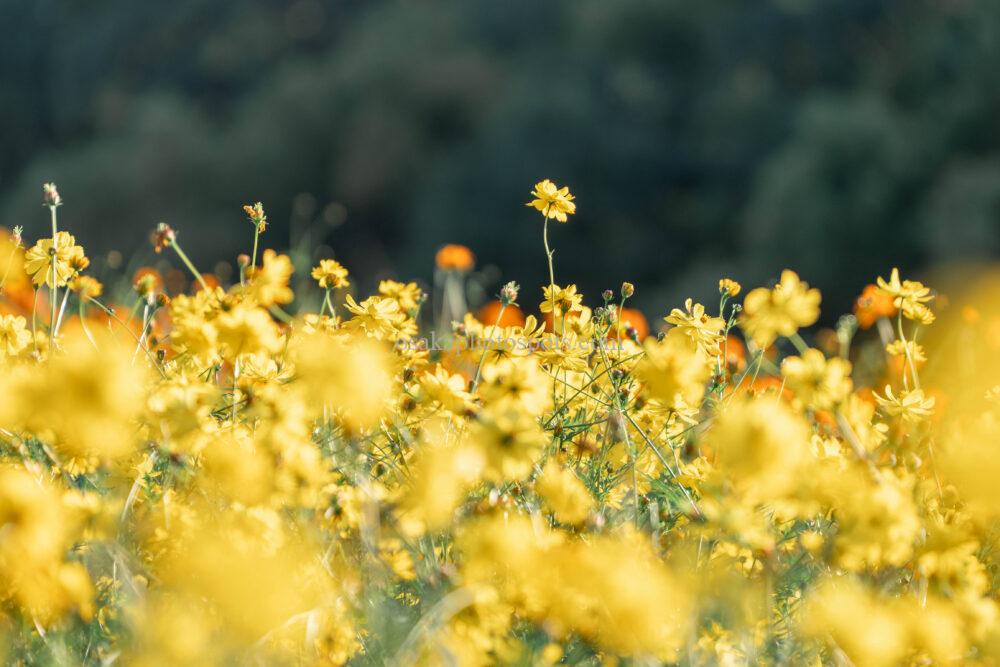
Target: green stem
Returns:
[[55, 275], [906, 351], [482, 357], [797, 341], [552, 275], [110, 313], [256, 238], [187, 262]]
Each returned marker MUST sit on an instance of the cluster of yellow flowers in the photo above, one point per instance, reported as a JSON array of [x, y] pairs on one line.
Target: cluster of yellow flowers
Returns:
[[199, 476]]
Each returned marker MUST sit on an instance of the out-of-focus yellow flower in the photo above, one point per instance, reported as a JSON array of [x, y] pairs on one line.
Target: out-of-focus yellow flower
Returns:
[[674, 370], [552, 201], [911, 406], [818, 382], [781, 311], [87, 287], [14, 335], [511, 440], [352, 376], [729, 287], [760, 447], [907, 295], [564, 494], [269, 281], [245, 329]]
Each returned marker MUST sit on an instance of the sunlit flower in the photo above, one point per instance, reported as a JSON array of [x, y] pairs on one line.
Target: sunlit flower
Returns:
[[910, 405], [39, 258], [14, 335], [552, 201], [781, 311]]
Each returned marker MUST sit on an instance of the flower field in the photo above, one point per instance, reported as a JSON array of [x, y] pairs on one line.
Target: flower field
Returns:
[[280, 471]]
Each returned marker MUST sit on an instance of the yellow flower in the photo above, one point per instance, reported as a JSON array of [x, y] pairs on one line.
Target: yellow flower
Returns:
[[38, 260], [552, 201], [247, 330], [511, 439], [564, 493], [781, 311], [377, 316], [14, 335], [330, 274], [565, 299], [407, 295], [674, 370], [818, 382], [915, 351], [730, 287], [700, 327], [87, 287], [760, 447], [907, 295], [911, 405], [269, 281]]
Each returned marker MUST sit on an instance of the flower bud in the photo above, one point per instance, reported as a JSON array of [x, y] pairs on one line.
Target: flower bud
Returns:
[[50, 195], [508, 294], [628, 289]]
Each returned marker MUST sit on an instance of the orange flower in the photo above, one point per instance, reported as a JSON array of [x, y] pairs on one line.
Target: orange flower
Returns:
[[631, 317], [735, 351], [454, 257], [210, 280], [149, 279], [871, 305], [512, 315]]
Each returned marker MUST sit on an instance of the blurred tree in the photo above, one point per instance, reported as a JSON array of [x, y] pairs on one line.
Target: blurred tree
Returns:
[[838, 137]]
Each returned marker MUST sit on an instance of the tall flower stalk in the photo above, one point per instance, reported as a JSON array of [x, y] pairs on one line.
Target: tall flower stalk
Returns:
[[51, 198]]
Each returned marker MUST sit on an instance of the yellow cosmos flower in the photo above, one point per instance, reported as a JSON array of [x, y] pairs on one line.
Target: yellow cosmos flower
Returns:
[[552, 201], [768, 314], [903, 292], [14, 335], [269, 281], [816, 381], [565, 299], [330, 274], [696, 324], [911, 406], [68, 256]]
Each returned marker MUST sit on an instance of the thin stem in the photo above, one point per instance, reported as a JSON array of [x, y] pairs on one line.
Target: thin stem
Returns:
[[256, 238], [55, 276], [86, 329], [906, 351], [552, 275], [110, 313], [62, 311], [797, 341], [187, 262], [482, 357]]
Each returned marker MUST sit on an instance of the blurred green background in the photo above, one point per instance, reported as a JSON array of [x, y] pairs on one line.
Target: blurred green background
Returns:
[[836, 137]]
